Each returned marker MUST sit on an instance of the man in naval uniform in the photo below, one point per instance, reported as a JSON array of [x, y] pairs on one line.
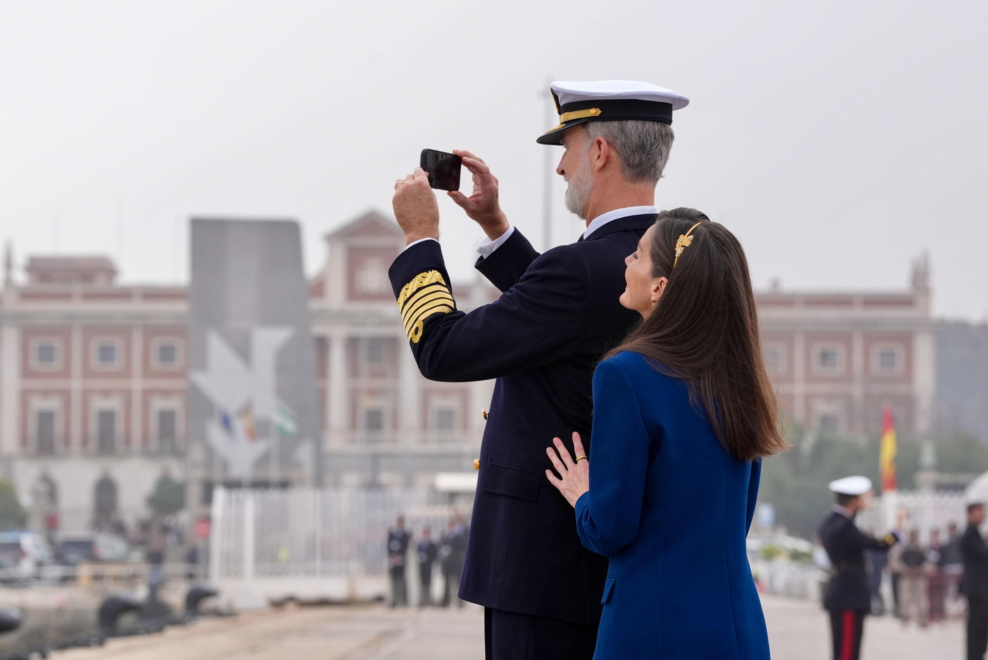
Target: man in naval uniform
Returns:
[[557, 315], [848, 598]]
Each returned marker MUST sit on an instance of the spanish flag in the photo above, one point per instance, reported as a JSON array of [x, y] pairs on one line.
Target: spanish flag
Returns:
[[886, 456]]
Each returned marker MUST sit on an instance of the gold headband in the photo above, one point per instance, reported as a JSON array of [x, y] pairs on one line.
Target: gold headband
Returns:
[[684, 242]]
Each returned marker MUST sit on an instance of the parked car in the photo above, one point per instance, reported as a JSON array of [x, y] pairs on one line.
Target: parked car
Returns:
[[92, 546], [23, 555]]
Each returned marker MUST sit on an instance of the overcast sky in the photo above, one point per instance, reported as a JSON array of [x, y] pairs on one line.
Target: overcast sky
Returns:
[[838, 141]]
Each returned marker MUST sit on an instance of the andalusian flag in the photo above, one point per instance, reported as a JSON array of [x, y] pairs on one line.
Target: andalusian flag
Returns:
[[886, 456], [285, 421]]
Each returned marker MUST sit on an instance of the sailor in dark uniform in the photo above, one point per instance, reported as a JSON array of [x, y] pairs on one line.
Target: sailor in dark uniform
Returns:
[[557, 316], [398, 540], [848, 598], [427, 553]]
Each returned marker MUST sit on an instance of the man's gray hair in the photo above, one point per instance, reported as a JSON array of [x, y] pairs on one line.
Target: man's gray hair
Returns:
[[642, 146]]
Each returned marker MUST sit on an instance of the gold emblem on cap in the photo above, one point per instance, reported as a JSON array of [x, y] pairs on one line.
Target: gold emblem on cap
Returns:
[[580, 114], [576, 114]]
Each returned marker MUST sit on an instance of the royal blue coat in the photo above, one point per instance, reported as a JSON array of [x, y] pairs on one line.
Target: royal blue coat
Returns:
[[671, 508]]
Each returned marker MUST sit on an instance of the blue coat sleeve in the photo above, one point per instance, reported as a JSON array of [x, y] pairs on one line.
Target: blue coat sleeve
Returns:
[[608, 515], [538, 320], [753, 481], [506, 265]]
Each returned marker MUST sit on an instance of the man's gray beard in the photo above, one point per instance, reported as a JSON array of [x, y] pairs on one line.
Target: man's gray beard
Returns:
[[578, 190]]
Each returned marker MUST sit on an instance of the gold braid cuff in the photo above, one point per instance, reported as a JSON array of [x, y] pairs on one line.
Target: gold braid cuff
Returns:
[[425, 295], [683, 242]]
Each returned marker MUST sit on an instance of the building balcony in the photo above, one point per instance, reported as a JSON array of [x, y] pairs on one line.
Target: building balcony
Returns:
[[56, 449], [398, 441]]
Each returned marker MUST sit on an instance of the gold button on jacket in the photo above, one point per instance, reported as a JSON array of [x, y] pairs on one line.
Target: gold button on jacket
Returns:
[[476, 464], [483, 414]]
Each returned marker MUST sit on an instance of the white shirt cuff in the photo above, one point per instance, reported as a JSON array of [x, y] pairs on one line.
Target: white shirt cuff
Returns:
[[419, 241], [487, 248]]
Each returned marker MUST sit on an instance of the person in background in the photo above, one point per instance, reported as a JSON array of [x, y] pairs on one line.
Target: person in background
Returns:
[[452, 553], [913, 585], [427, 552], [895, 568], [974, 554], [848, 598], [398, 540], [937, 579], [953, 566], [155, 553], [877, 562], [192, 562]]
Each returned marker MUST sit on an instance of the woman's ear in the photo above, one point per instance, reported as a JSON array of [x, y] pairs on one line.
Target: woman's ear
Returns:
[[658, 288]]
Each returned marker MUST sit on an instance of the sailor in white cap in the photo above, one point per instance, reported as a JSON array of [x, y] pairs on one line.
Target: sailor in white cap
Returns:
[[559, 312], [848, 598]]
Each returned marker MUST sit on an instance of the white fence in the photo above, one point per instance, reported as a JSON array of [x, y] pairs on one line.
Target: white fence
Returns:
[[928, 510], [312, 543]]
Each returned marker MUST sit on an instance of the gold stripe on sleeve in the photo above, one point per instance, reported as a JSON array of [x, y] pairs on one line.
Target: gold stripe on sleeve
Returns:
[[417, 301], [417, 282], [429, 310], [426, 312]]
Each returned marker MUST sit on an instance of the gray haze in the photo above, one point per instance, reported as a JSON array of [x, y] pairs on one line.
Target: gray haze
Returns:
[[838, 141]]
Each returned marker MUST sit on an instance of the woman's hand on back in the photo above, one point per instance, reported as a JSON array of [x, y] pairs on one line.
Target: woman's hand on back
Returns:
[[574, 479]]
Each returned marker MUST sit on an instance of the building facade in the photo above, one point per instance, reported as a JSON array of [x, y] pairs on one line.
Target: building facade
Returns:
[[93, 383], [93, 377], [836, 359]]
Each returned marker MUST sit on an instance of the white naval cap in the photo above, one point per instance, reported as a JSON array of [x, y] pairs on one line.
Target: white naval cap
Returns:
[[610, 100], [851, 486]]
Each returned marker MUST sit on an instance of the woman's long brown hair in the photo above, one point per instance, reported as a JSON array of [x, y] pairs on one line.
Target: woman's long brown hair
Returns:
[[704, 330]]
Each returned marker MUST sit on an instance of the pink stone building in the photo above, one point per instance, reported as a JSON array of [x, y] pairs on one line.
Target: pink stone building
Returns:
[[93, 376], [837, 358]]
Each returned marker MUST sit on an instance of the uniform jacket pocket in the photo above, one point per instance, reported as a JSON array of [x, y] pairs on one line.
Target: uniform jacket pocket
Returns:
[[608, 588], [502, 480]]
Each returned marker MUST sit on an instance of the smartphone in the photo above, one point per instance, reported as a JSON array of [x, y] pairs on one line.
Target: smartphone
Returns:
[[443, 169]]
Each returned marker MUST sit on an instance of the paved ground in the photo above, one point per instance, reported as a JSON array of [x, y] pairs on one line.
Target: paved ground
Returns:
[[798, 631]]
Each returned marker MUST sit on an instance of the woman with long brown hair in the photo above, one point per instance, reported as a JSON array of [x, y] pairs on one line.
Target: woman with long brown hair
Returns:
[[683, 414]]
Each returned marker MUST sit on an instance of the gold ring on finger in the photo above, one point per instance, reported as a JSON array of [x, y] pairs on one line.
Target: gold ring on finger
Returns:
[[581, 458]]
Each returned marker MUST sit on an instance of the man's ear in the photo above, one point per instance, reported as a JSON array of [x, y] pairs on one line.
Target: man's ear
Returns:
[[600, 152]]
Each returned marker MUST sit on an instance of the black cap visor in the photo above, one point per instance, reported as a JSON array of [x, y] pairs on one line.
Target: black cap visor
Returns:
[[581, 112]]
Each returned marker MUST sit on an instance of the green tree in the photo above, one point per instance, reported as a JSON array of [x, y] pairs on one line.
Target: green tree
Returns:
[[12, 514], [167, 497]]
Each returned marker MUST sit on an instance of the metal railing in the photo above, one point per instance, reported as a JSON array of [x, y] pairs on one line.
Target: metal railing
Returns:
[[313, 533], [928, 510]]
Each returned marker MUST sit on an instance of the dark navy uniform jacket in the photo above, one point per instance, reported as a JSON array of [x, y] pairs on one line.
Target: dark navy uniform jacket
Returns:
[[558, 314], [975, 555], [846, 545], [397, 546]]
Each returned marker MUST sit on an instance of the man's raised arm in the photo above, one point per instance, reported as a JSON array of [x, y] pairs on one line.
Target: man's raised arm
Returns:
[[532, 323]]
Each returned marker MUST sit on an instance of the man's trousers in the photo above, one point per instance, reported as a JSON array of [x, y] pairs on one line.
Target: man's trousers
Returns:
[[425, 583], [847, 627], [399, 589], [977, 628], [511, 636]]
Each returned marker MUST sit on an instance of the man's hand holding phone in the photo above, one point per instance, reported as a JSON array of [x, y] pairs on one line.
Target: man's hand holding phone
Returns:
[[415, 207], [482, 206]]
